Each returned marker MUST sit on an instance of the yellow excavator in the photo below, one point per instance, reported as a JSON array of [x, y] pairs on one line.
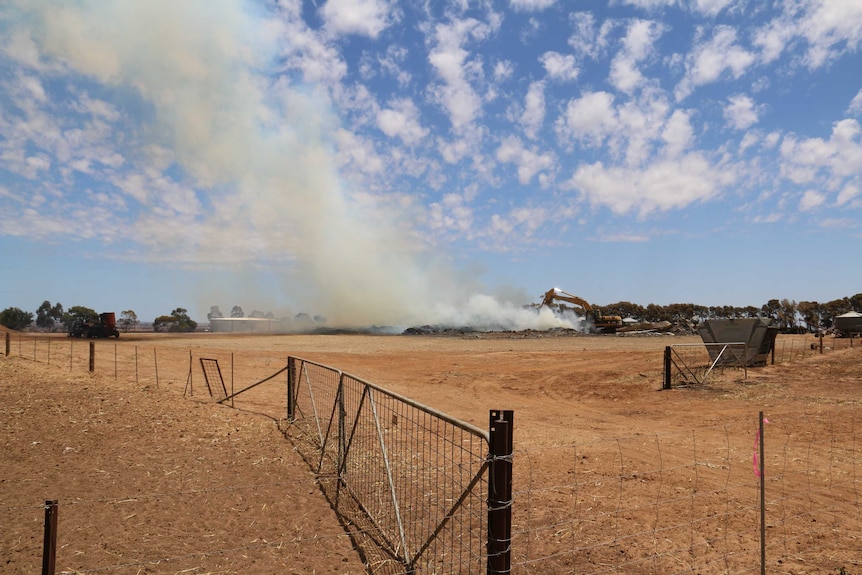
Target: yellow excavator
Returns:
[[595, 319]]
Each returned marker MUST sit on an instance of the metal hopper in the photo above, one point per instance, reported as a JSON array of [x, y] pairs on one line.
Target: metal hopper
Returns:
[[756, 333]]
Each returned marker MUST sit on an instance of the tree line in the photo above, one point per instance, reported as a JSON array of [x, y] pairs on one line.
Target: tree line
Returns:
[[53, 317], [788, 315]]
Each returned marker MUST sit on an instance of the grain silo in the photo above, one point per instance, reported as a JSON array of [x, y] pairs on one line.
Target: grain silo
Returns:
[[849, 323]]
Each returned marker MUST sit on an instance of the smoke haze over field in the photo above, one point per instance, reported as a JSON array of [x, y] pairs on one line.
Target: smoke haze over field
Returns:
[[410, 163], [258, 149]]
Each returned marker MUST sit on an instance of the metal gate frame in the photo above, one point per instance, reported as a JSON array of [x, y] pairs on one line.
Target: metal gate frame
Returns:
[[354, 428], [676, 363]]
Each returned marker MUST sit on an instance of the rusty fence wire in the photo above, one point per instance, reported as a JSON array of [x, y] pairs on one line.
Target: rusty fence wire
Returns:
[[690, 502]]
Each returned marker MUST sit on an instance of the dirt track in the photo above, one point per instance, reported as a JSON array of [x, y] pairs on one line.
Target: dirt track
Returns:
[[200, 477]]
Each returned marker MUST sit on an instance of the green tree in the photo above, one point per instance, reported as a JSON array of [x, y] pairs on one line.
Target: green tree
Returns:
[[16, 318], [835, 308], [236, 311], [215, 313], [165, 323], [178, 321], [771, 309], [128, 320], [811, 313], [787, 314], [48, 315], [79, 313]]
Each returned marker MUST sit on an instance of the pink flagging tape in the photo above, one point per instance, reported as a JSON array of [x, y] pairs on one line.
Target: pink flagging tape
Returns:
[[755, 457]]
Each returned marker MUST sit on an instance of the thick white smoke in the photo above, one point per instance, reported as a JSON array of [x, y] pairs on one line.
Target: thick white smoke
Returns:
[[257, 149]]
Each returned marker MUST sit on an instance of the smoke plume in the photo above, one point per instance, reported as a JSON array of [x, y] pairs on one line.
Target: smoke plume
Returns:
[[254, 152]]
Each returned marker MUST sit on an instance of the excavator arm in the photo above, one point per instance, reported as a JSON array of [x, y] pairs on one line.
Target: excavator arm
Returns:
[[555, 294], [605, 323]]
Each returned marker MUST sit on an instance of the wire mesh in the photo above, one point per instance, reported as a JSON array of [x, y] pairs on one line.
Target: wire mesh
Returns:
[[409, 482], [690, 364], [688, 502]]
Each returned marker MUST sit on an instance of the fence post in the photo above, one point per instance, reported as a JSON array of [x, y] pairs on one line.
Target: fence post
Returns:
[[92, 356], [760, 470], [291, 382], [500, 493], [665, 384], [8, 338], [49, 547]]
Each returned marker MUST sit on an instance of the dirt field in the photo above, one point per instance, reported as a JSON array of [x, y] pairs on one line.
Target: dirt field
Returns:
[[150, 481]]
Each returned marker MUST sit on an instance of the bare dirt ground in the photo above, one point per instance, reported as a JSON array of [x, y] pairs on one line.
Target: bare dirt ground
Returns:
[[152, 481]]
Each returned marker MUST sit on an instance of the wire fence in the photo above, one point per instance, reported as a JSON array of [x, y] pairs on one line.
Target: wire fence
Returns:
[[130, 534], [414, 487], [798, 347], [691, 503], [696, 363], [411, 482]]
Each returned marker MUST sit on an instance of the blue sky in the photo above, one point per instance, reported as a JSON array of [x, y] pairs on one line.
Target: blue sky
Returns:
[[398, 163]]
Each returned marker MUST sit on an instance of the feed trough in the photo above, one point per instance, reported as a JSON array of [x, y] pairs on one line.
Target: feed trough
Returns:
[[757, 334]]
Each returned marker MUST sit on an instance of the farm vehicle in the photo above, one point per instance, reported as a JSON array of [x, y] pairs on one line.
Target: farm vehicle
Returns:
[[105, 326], [596, 321]]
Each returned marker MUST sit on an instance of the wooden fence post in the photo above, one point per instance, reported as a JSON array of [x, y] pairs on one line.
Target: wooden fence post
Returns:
[[92, 356]]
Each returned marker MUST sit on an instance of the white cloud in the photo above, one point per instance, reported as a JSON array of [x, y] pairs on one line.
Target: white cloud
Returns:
[[452, 64], [650, 4], [305, 50], [774, 37], [855, 107], [748, 140], [709, 60], [831, 27], [849, 195], [590, 118], [661, 186], [451, 215], [828, 27], [561, 67], [531, 5], [677, 133], [711, 7], [834, 160], [534, 109], [522, 220], [586, 40], [503, 70], [392, 62], [361, 17], [357, 153], [31, 87], [740, 112], [401, 120], [637, 45], [529, 162], [811, 200]]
